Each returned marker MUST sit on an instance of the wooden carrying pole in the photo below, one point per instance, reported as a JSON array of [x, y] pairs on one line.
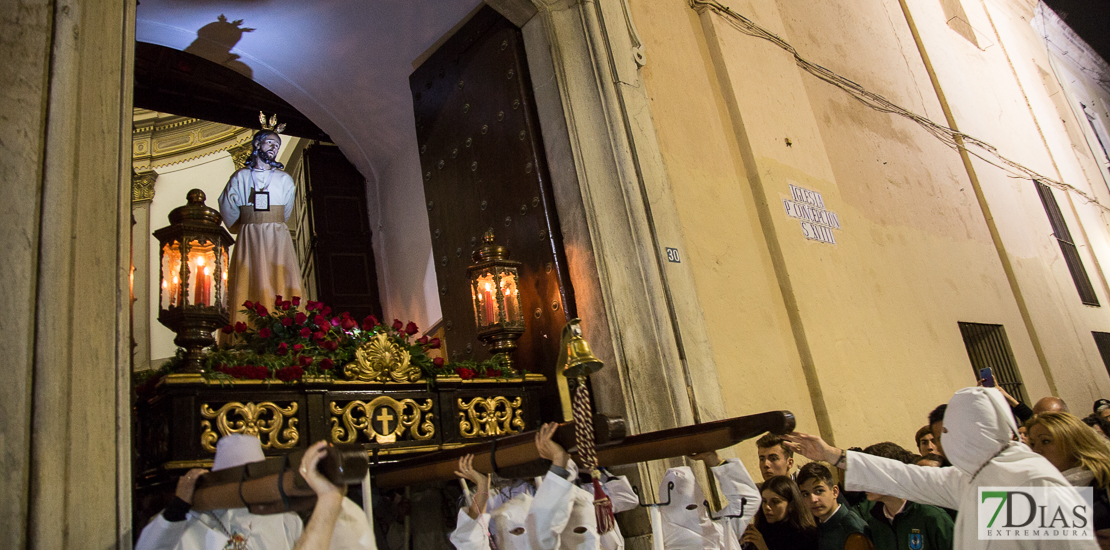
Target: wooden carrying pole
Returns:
[[272, 487], [516, 456]]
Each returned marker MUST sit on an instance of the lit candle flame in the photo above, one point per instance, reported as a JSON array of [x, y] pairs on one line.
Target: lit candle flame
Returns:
[[200, 261]]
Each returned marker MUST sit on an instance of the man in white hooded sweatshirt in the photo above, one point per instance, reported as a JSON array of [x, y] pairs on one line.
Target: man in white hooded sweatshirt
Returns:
[[979, 432]]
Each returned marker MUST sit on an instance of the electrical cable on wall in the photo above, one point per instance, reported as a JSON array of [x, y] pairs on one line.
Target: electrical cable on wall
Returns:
[[984, 151]]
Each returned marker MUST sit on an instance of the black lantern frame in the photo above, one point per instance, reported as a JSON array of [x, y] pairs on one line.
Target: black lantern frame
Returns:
[[495, 293]]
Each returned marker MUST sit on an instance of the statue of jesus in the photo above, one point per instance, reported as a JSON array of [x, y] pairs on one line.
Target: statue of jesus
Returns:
[[255, 205]]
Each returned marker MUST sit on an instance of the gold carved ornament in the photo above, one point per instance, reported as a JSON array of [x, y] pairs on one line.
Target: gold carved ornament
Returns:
[[383, 420], [490, 416], [382, 360], [251, 421]]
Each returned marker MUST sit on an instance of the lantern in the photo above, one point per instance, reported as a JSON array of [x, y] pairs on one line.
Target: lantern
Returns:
[[495, 292], [193, 288]]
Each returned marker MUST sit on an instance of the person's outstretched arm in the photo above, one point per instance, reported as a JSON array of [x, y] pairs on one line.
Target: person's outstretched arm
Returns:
[[329, 502]]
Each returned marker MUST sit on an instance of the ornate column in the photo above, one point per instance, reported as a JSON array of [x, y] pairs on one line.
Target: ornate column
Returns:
[[142, 193]]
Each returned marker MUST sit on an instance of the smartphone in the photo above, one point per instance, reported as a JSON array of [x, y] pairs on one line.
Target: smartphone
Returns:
[[987, 376]]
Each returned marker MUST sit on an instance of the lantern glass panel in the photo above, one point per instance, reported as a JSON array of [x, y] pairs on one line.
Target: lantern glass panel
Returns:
[[223, 277], [487, 308], [202, 267], [171, 275], [511, 295]]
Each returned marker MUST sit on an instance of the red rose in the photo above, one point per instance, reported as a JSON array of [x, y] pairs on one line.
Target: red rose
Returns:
[[397, 324], [228, 329], [305, 360], [264, 333], [370, 321], [326, 310], [248, 304], [301, 318], [465, 373], [298, 347], [438, 361], [286, 305], [261, 310], [286, 321], [330, 345], [326, 364], [288, 374], [240, 327], [277, 301], [320, 320], [411, 328], [434, 343], [422, 340], [306, 332], [318, 335], [283, 348], [296, 300], [311, 305], [347, 323], [335, 321], [492, 373]]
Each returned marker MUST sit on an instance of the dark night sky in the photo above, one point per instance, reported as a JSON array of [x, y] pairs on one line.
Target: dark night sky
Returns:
[[1090, 19]]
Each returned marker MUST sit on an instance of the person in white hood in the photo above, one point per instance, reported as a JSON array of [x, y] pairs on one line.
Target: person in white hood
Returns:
[[686, 521], [178, 528], [559, 516], [979, 439]]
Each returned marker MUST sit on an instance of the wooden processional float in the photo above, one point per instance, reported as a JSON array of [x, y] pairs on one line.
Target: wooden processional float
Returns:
[[269, 488]]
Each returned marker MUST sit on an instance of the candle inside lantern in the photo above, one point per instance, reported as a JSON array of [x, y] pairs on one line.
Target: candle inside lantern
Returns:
[[488, 300], [200, 288], [173, 290]]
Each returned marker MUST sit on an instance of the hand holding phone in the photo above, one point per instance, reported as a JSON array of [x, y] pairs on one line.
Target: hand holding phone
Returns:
[[987, 376]]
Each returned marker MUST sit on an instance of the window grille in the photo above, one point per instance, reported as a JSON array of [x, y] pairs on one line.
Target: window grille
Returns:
[[1067, 246], [987, 346], [1102, 340]]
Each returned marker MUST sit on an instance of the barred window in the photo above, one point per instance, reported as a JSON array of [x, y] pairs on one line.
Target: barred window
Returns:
[[1067, 246], [987, 346]]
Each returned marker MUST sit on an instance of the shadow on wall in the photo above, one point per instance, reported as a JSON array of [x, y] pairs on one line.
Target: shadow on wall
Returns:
[[215, 41]]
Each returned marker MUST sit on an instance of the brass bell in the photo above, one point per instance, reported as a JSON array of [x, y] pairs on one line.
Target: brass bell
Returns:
[[576, 359]]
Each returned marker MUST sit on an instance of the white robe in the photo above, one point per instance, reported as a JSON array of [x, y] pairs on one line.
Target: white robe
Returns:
[[264, 263], [978, 426], [743, 497], [623, 499], [200, 531]]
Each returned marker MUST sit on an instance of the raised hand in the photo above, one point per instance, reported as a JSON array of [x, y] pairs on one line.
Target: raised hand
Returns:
[[320, 484], [481, 481], [710, 458], [812, 447], [187, 484], [548, 448]]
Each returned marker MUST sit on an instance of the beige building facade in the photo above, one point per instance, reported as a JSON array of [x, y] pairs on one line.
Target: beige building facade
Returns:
[[751, 220]]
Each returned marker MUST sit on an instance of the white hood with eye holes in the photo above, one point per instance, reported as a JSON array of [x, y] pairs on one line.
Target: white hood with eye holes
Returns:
[[977, 440], [686, 525]]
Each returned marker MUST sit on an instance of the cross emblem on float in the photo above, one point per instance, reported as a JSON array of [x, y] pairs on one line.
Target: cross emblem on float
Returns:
[[385, 420]]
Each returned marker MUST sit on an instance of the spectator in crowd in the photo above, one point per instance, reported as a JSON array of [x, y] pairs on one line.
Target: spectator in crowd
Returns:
[[936, 424], [979, 438], [774, 458], [838, 527], [924, 440], [931, 460], [898, 523], [1083, 459], [1049, 404], [783, 522], [1020, 410], [1099, 425], [1102, 408]]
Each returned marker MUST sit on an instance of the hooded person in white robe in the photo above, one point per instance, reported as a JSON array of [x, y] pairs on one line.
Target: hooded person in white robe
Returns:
[[263, 263], [687, 524], [978, 438], [178, 528]]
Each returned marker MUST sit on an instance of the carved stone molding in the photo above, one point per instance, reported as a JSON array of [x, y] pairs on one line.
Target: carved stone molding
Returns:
[[240, 154], [159, 140], [142, 186]]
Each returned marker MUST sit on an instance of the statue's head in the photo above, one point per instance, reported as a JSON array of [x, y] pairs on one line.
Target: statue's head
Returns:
[[265, 146]]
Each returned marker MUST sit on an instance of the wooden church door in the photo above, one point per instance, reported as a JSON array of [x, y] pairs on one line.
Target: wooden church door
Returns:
[[483, 166]]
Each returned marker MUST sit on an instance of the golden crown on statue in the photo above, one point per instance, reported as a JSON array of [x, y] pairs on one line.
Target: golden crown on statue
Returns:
[[271, 124]]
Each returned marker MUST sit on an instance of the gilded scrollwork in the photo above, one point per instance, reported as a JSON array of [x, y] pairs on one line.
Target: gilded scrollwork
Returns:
[[382, 360], [383, 420], [262, 419], [490, 416]]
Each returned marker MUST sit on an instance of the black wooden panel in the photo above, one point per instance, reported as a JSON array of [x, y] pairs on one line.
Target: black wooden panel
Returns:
[[483, 167], [338, 229]]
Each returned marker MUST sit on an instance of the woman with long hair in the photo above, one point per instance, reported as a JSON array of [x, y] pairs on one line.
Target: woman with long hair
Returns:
[[1084, 460], [783, 522]]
